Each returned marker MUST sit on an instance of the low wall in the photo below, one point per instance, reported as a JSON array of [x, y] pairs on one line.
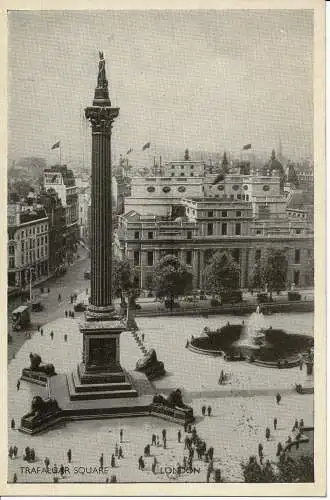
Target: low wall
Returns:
[[236, 309]]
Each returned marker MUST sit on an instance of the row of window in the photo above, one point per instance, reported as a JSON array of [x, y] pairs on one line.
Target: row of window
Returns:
[[151, 235], [40, 241], [297, 255], [224, 227], [182, 166], [34, 230], [224, 213]]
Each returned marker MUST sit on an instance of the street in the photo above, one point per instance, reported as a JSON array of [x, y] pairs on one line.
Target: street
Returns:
[[65, 285]]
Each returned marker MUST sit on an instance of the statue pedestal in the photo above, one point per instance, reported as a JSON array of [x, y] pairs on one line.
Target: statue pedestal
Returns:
[[100, 375]]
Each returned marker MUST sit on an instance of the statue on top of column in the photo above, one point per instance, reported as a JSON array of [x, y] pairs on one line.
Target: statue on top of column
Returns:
[[102, 81]]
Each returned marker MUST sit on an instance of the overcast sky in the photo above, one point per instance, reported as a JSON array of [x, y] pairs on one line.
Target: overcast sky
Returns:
[[206, 80]]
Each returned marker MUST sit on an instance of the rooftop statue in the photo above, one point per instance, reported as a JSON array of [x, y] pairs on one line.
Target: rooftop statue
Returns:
[[102, 81]]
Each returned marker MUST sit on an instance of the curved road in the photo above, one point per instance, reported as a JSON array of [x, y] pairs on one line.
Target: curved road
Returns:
[[65, 285]]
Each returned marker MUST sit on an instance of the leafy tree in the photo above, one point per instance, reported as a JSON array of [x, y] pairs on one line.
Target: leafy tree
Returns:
[[222, 273], [254, 472], [296, 470], [275, 270], [171, 278], [123, 279]]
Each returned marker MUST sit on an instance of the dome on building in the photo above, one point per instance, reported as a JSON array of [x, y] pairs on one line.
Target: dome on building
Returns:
[[273, 167]]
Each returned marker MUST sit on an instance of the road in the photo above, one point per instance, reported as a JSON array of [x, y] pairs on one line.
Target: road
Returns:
[[65, 285]]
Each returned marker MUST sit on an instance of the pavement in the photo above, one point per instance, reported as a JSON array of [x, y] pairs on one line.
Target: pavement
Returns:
[[236, 426]]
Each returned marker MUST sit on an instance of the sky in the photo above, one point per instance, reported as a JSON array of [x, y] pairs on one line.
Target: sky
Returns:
[[206, 80]]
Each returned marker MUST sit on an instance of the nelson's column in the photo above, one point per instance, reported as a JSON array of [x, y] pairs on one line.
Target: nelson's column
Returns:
[[100, 374]]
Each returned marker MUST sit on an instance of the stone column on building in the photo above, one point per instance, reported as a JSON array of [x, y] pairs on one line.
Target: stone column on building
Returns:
[[201, 267]]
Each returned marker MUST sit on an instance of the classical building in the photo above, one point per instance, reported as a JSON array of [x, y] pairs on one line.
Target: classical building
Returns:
[[28, 244], [62, 180], [193, 217]]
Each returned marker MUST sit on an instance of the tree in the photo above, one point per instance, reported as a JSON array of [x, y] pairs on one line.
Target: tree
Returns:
[[222, 273], [275, 270], [123, 282], [257, 279], [300, 470], [254, 472], [171, 278]]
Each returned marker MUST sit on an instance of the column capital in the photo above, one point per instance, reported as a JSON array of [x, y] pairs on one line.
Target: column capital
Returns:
[[101, 117]]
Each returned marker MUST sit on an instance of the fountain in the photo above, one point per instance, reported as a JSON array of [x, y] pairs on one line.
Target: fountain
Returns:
[[253, 340]]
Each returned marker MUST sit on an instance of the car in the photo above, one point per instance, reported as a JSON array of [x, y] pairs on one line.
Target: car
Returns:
[[80, 307]]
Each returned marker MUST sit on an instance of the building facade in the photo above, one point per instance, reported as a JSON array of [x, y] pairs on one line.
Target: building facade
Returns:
[[195, 217], [28, 244], [62, 180]]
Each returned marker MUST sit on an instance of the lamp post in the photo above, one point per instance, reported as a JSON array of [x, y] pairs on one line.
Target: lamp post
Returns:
[[31, 268]]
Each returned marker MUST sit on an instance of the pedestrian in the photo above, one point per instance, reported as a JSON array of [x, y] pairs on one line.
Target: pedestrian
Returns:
[[154, 465], [59, 297], [15, 478], [289, 440], [116, 450], [260, 448], [47, 462], [261, 457], [18, 384], [113, 461], [186, 441], [140, 463], [69, 454], [203, 410], [184, 462], [278, 398], [15, 450], [147, 450], [209, 410], [66, 313], [301, 364], [12, 423], [211, 453], [153, 440], [72, 314], [101, 460], [11, 452], [164, 433], [71, 299], [185, 426], [52, 334], [62, 470], [113, 478], [267, 433], [164, 442], [301, 424], [41, 331], [158, 440], [179, 436], [142, 337], [190, 462], [27, 454], [295, 426], [275, 423], [121, 433], [65, 338], [120, 452], [279, 449], [32, 455]]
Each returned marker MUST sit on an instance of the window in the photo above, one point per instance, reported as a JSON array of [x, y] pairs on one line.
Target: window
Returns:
[[191, 166], [38, 229], [239, 196], [296, 277], [173, 174], [151, 189], [46, 239], [22, 260], [23, 236], [258, 231], [181, 189], [257, 254], [235, 187], [224, 213], [182, 166], [224, 228], [150, 235], [38, 254], [238, 213], [210, 213], [150, 258], [173, 166], [42, 240], [192, 174], [210, 229], [189, 235], [297, 256], [182, 174], [232, 196], [237, 229], [247, 197], [166, 189], [11, 250], [22, 246], [11, 262], [136, 258], [137, 235], [189, 257]]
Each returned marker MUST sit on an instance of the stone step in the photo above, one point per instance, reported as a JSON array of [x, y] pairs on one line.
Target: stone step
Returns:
[[109, 386], [99, 394]]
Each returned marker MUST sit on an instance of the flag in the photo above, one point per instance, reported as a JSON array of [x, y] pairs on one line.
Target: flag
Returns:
[[247, 146], [146, 146], [56, 145], [129, 151]]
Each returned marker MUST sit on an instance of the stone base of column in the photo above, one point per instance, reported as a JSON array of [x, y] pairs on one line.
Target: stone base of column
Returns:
[[100, 375], [101, 313]]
